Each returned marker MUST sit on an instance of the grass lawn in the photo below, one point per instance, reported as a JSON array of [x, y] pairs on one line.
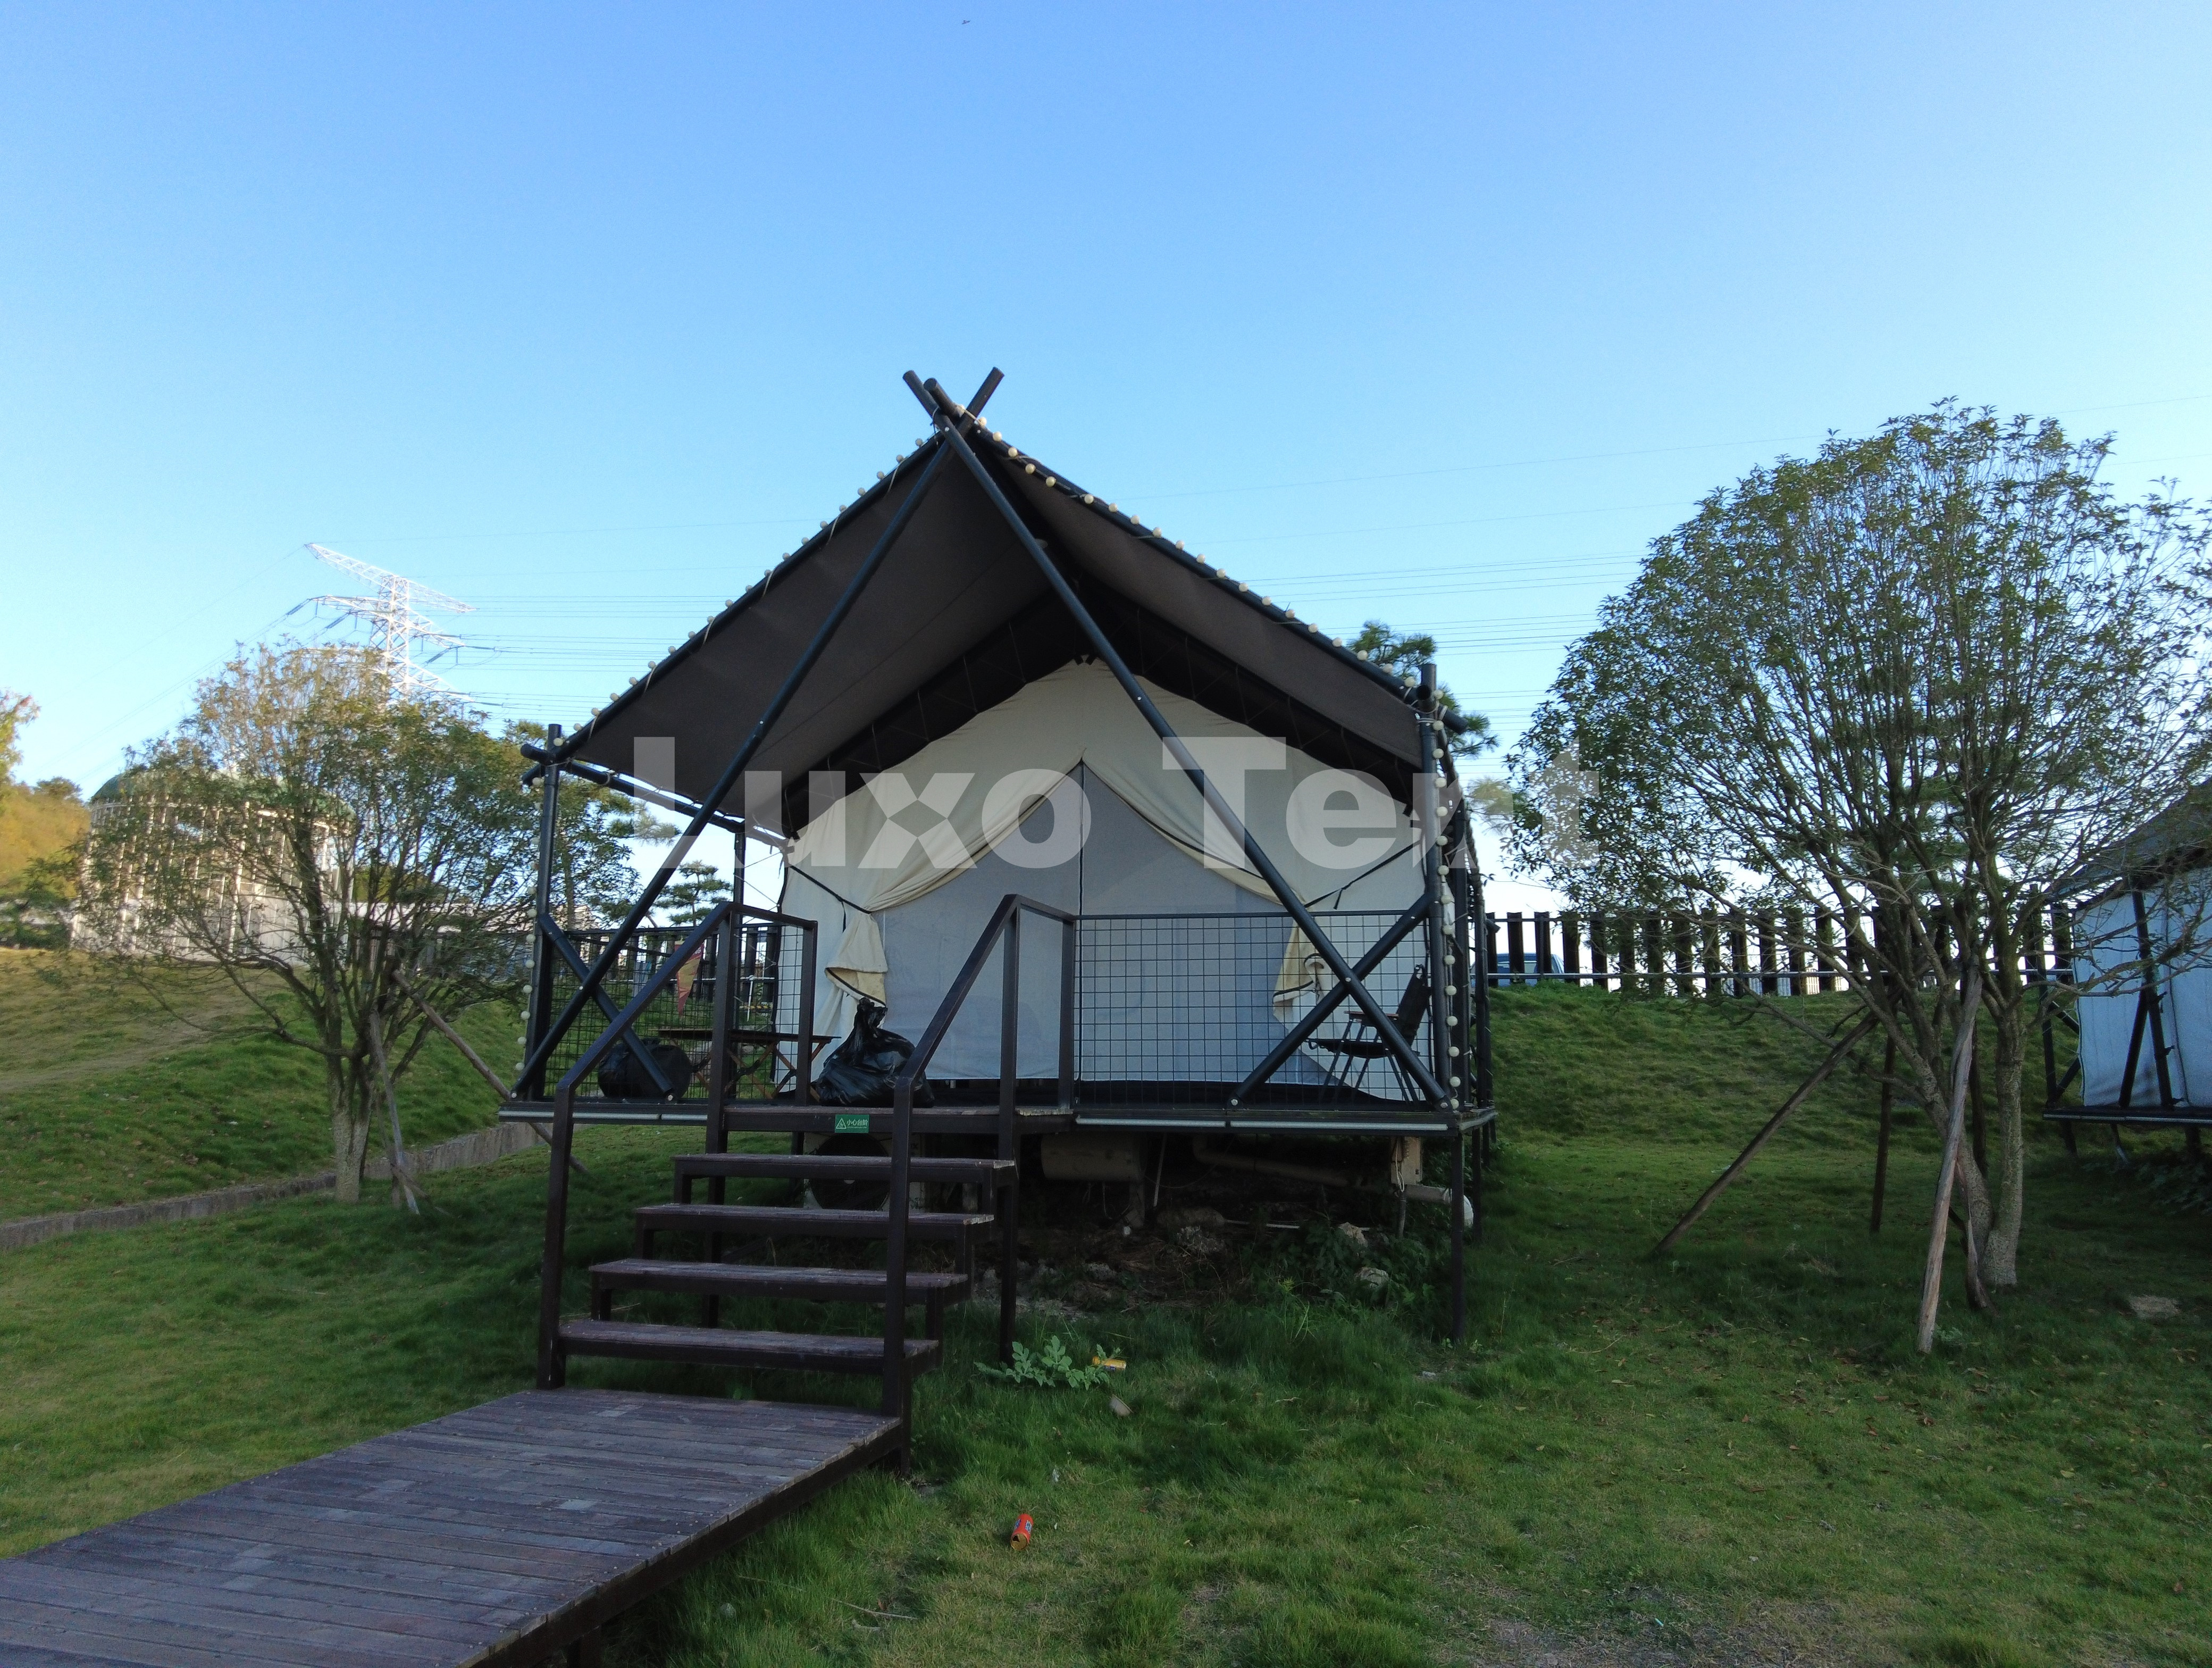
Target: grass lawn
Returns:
[[1723, 1456], [106, 1098]]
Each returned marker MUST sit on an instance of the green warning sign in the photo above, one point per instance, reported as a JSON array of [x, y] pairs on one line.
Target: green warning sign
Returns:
[[851, 1123]]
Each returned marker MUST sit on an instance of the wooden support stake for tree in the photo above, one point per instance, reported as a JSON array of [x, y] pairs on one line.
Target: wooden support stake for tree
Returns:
[[1881, 1137], [1727, 1177], [453, 1037], [1955, 1130], [446, 1030]]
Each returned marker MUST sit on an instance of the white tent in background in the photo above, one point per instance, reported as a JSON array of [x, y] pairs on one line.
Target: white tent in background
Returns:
[[2159, 913]]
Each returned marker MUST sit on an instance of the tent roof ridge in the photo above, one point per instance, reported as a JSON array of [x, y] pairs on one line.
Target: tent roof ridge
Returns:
[[1004, 453], [1158, 539]]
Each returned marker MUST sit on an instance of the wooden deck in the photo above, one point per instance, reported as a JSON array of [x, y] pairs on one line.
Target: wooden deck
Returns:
[[501, 1534]]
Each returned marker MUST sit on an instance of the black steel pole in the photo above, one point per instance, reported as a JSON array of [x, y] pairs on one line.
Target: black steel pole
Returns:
[[1316, 1016], [627, 787], [2157, 1008], [734, 772], [1009, 1031], [532, 1087], [1428, 728], [1377, 1015]]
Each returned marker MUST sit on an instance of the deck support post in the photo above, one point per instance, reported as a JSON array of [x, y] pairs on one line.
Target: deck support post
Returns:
[[897, 1403], [941, 414], [718, 1075], [1010, 1029]]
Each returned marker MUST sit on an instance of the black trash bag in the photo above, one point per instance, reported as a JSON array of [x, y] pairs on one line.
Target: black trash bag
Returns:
[[859, 1069], [622, 1075]]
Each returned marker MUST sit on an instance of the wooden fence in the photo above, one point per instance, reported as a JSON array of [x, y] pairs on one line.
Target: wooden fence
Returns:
[[1712, 953]]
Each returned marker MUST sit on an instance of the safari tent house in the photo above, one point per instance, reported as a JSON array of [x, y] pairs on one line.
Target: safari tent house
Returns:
[[1128, 851]]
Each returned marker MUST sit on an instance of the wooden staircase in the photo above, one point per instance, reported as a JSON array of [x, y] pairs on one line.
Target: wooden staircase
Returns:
[[686, 1246], [705, 1273]]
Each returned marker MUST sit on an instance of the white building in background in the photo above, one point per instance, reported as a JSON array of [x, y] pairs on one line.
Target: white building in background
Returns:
[[2157, 912]]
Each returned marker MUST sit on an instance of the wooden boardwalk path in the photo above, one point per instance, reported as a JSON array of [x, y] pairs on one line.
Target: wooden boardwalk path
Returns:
[[502, 1535]]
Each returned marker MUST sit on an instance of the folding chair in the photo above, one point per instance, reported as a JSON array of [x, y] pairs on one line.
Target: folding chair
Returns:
[[1362, 1043]]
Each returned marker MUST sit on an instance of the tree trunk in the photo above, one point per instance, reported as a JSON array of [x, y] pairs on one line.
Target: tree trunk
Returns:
[[1965, 1175], [2001, 1263], [349, 1131]]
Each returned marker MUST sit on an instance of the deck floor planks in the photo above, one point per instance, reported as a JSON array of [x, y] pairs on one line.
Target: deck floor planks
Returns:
[[255, 1547], [491, 1536], [586, 1453], [119, 1593], [361, 1603], [78, 1604]]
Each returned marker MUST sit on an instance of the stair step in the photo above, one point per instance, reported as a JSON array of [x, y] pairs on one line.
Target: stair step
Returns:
[[857, 1166], [790, 1221], [647, 1274], [707, 1346]]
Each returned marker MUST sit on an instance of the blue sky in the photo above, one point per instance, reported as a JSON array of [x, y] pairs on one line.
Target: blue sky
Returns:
[[1436, 314]]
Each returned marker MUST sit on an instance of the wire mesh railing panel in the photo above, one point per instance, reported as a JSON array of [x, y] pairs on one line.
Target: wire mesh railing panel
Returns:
[[680, 1020], [1179, 1007]]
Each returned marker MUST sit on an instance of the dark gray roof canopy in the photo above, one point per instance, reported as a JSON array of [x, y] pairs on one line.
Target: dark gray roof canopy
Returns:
[[958, 617]]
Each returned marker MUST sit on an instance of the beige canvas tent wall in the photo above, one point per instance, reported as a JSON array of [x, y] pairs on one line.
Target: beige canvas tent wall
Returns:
[[1062, 792]]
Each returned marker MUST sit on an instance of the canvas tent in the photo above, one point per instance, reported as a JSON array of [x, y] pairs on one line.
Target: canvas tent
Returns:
[[973, 616], [981, 709]]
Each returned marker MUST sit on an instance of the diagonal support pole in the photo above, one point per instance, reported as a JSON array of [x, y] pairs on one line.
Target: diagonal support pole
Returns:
[[1727, 1177], [568, 952], [1317, 1015], [1385, 1026], [733, 772], [2155, 1009]]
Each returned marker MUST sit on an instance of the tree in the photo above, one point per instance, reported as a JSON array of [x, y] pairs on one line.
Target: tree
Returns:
[[690, 897], [40, 828], [1931, 674], [335, 850], [15, 711], [1403, 653]]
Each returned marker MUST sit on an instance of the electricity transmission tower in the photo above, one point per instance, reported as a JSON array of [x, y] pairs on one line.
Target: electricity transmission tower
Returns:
[[395, 620]]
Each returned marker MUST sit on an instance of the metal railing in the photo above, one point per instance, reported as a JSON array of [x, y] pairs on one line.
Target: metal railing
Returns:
[[756, 971], [1004, 927], [551, 1366]]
